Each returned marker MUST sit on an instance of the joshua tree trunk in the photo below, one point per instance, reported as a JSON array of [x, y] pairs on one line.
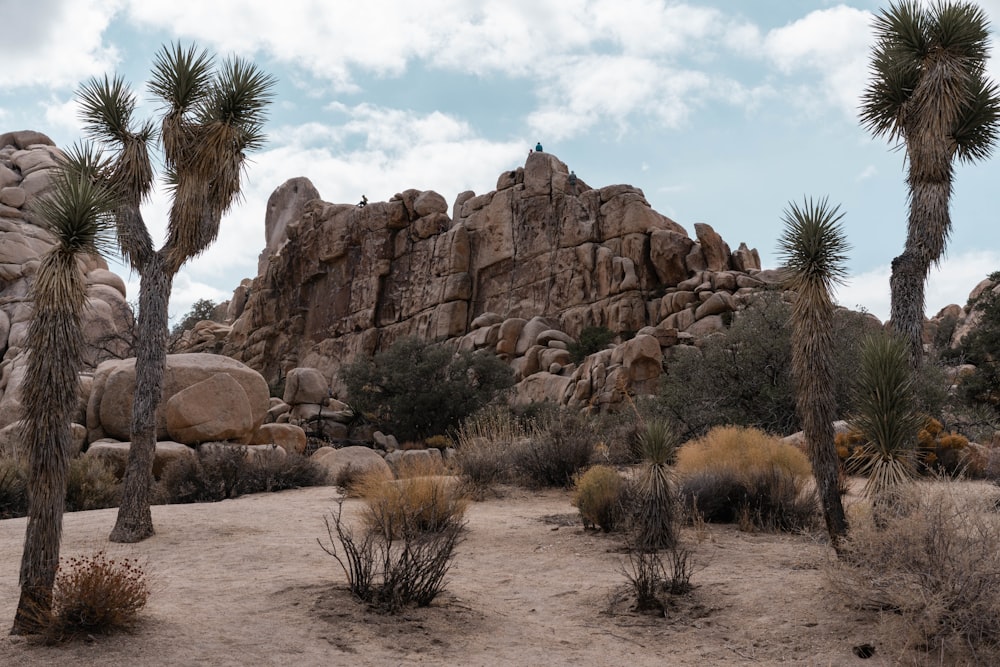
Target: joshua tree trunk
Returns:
[[50, 395], [135, 520]]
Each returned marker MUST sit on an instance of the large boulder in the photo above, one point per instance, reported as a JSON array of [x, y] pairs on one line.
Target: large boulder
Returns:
[[109, 411], [306, 385], [359, 460], [214, 409], [289, 437]]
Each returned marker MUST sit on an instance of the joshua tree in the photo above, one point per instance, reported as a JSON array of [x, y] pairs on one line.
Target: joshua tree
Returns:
[[930, 91], [78, 213], [211, 116], [813, 249]]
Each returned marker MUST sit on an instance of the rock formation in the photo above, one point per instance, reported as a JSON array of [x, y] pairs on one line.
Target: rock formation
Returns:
[[521, 271], [25, 160]]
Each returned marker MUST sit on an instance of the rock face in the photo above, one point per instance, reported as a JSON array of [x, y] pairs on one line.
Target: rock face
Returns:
[[541, 253], [25, 160], [197, 405]]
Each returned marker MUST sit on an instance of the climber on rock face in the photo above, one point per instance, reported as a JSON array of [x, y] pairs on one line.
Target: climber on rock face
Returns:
[[538, 147], [363, 202]]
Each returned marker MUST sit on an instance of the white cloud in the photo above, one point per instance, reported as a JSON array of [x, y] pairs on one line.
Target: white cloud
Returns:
[[868, 172], [833, 44], [54, 43]]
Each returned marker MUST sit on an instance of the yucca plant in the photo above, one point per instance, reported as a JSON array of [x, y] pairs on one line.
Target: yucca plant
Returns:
[[814, 249], [655, 516], [929, 90], [78, 212], [887, 417]]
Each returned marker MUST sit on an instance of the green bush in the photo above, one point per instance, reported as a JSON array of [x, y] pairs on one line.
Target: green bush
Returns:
[[201, 309], [415, 390], [742, 475], [598, 495], [592, 339], [743, 375]]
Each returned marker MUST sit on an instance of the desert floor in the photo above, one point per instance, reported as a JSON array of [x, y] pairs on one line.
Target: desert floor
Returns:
[[244, 582]]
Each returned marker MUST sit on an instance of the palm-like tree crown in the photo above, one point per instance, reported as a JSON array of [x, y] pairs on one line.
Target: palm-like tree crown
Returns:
[[928, 75]]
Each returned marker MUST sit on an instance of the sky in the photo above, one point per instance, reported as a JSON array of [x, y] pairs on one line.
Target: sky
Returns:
[[722, 111]]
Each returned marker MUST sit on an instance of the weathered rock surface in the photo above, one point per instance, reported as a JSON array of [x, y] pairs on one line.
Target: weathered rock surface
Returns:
[[25, 160], [520, 271], [110, 407], [360, 460], [217, 408]]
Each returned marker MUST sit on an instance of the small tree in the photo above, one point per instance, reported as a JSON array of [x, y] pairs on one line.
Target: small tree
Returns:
[[200, 310], [416, 390], [814, 249]]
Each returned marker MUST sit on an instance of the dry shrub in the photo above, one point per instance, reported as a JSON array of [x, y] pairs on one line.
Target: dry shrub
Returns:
[[13, 488], [598, 495], [96, 595], [485, 441], [555, 451], [930, 563], [218, 473], [653, 576], [736, 474], [392, 571], [91, 485], [423, 499]]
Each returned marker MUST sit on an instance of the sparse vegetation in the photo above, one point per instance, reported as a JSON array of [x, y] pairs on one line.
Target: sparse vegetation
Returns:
[[555, 452], [485, 442], [652, 579], [930, 565], [742, 475], [222, 472], [423, 499], [96, 594], [598, 494], [91, 485], [394, 569]]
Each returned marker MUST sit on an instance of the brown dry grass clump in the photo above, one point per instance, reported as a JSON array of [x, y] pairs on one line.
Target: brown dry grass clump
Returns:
[[424, 499], [738, 474], [929, 562], [96, 595]]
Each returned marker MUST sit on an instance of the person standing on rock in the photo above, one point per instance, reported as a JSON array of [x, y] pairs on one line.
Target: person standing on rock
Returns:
[[538, 147]]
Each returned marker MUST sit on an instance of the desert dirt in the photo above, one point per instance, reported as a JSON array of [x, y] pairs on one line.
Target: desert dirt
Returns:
[[244, 582]]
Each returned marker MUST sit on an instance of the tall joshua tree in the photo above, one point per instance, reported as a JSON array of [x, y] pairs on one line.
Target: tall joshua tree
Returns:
[[929, 90], [211, 117], [78, 212], [813, 250]]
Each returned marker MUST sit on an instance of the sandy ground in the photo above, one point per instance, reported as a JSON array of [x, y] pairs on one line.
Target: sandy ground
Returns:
[[244, 582]]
